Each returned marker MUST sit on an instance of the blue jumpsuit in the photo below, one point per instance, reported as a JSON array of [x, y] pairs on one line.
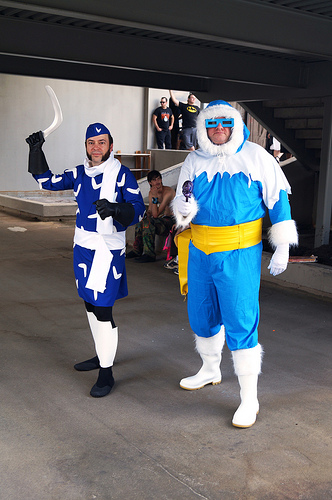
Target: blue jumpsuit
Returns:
[[230, 189]]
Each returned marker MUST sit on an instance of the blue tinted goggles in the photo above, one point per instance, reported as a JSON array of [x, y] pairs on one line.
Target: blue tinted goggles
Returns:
[[224, 122]]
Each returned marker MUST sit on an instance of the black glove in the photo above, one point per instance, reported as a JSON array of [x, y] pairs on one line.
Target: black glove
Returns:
[[121, 212], [37, 161]]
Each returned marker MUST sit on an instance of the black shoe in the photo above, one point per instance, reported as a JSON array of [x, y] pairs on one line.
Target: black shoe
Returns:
[[145, 258], [104, 384], [132, 255], [89, 364]]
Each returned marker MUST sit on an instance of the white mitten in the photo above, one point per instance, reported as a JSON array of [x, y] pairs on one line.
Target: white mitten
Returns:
[[279, 260], [184, 207], [184, 211]]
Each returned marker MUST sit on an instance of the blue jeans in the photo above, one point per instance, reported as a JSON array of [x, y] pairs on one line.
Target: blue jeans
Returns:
[[164, 136]]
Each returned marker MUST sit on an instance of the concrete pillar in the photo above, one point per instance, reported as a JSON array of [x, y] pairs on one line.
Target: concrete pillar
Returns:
[[146, 120], [324, 202]]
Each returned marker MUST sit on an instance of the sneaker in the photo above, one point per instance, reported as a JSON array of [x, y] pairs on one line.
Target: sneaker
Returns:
[[176, 271], [171, 264]]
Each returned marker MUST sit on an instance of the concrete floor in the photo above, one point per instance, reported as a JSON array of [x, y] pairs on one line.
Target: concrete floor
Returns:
[[149, 439]]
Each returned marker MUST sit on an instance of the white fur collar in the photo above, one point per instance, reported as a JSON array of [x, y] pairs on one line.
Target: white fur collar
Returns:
[[236, 138]]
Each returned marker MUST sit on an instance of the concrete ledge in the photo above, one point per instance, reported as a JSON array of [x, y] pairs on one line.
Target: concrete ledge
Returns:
[[170, 177], [310, 277], [164, 158], [41, 204]]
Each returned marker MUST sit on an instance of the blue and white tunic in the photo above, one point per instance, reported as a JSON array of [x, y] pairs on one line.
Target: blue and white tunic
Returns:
[[233, 183], [99, 246]]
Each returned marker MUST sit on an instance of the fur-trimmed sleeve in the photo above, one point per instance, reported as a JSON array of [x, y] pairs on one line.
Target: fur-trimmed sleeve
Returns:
[[283, 232], [184, 220], [186, 174]]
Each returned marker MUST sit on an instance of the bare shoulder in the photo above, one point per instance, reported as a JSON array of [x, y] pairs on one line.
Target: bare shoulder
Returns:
[[168, 191]]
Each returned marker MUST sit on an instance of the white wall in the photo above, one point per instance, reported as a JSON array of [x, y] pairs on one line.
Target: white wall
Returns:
[[25, 108]]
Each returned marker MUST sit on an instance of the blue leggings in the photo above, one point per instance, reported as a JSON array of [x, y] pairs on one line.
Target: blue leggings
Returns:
[[223, 289]]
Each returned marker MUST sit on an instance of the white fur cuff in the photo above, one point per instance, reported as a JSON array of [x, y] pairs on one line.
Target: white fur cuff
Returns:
[[181, 220], [283, 232], [248, 361], [210, 345]]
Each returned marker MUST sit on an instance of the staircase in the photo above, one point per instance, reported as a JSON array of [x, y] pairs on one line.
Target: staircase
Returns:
[[296, 123], [304, 127]]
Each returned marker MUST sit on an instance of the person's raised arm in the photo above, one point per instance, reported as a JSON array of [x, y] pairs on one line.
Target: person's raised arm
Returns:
[[37, 161], [174, 99]]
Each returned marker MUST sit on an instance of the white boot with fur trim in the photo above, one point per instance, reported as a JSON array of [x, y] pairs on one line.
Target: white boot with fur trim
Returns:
[[247, 366], [209, 349]]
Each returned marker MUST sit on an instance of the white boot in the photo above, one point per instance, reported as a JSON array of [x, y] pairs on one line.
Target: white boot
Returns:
[[209, 349], [105, 338], [247, 366]]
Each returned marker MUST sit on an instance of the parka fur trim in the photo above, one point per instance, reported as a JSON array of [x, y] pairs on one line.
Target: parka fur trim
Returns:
[[209, 346], [248, 361], [236, 139], [181, 221], [283, 232]]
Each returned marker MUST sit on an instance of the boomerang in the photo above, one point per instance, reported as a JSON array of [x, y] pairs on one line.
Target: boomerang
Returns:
[[57, 112]]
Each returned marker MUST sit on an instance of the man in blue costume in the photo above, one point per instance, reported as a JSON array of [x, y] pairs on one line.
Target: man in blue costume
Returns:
[[233, 181], [109, 200]]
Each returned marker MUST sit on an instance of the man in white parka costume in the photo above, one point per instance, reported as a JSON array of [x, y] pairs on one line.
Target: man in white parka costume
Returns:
[[233, 182]]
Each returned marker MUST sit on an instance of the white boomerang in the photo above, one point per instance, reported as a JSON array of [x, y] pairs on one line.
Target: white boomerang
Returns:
[[57, 112]]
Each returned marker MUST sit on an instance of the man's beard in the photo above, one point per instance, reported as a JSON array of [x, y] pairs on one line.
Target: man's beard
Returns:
[[103, 158]]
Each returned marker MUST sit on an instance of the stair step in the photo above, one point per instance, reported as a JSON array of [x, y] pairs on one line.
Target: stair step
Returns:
[[312, 133], [304, 123], [301, 112], [298, 123], [291, 103], [313, 144]]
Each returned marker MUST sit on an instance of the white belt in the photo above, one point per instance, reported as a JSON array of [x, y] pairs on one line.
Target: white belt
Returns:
[[102, 244]]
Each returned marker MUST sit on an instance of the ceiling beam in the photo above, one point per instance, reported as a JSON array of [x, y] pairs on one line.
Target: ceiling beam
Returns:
[[48, 41], [71, 70], [240, 23], [53, 49]]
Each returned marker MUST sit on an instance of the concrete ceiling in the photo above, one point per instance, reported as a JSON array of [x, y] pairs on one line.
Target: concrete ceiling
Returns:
[[239, 50]]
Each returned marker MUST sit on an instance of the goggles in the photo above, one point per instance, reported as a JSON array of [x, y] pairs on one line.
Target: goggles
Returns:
[[224, 122]]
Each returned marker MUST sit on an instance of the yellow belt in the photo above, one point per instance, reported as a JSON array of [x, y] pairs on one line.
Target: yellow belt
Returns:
[[215, 239], [221, 239]]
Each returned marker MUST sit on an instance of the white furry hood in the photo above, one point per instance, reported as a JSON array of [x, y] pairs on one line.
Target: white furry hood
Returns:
[[239, 134]]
